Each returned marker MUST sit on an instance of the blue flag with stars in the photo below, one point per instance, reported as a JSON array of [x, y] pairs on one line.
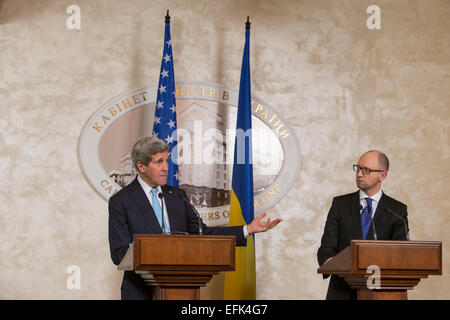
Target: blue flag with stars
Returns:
[[165, 122]]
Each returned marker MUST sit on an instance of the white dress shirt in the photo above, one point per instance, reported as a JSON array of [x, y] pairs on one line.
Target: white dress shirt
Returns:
[[148, 192], [375, 200]]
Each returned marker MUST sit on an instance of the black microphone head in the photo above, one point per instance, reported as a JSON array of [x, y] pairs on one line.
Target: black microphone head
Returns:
[[360, 207], [160, 195]]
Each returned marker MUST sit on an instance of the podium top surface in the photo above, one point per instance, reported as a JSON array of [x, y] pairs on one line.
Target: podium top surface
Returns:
[[420, 258]]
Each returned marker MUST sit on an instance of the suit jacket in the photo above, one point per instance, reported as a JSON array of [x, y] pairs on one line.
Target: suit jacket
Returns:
[[344, 224], [130, 212]]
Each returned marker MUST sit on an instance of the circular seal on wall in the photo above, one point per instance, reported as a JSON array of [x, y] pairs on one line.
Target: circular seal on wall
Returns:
[[206, 120]]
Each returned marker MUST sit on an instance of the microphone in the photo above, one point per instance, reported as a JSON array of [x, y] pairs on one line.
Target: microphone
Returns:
[[163, 226], [185, 199], [403, 220], [373, 223]]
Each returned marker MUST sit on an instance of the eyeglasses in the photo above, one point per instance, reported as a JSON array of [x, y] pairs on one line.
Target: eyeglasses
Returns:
[[364, 170]]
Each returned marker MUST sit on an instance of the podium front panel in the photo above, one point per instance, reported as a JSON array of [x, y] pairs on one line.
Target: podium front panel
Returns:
[[184, 252], [397, 256]]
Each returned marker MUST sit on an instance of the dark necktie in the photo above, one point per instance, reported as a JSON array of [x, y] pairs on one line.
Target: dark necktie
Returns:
[[365, 220]]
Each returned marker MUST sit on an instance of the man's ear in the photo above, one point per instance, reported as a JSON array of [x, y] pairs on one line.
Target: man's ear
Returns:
[[140, 167], [383, 176]]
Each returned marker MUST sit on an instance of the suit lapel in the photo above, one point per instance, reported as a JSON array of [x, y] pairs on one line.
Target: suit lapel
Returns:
[[380, 209], [144, 206], [356, 215], [171, 199]]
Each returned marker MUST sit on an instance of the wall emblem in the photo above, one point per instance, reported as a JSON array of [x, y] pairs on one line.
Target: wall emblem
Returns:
[[206, 119]]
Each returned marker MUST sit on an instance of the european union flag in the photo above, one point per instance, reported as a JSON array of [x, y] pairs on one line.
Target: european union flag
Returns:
[[165, 123]]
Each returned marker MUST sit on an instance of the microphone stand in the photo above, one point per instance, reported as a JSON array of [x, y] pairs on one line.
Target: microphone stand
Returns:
[[403, 220], [163, 225]]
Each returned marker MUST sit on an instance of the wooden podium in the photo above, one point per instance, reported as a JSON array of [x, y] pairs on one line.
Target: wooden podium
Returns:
[[401, 263], [178, 265]]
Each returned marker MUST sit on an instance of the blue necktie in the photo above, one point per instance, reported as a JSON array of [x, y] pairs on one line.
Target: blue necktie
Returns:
[[156, 206], [365, 220]]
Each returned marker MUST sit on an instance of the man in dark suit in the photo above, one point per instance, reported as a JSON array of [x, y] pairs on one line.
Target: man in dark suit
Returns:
[[347, 218], [137, 209]]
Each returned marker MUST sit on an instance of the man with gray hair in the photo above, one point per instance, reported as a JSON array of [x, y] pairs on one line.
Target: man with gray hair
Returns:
[[351, 217], [136, 208]]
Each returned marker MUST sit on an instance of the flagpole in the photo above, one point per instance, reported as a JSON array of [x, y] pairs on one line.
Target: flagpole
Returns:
[[241, 283], [165, 119], [167, 17]]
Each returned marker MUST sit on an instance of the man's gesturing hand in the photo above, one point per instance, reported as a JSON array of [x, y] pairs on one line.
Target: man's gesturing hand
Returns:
[[258, 225]]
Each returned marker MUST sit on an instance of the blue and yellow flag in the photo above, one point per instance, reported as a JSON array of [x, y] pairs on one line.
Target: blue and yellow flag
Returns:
[[241, 284]]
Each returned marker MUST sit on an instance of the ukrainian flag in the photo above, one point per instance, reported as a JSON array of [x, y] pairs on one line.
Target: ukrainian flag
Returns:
[[241, 284]]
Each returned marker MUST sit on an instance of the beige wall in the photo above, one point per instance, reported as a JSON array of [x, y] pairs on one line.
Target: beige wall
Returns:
[[343, 88]]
